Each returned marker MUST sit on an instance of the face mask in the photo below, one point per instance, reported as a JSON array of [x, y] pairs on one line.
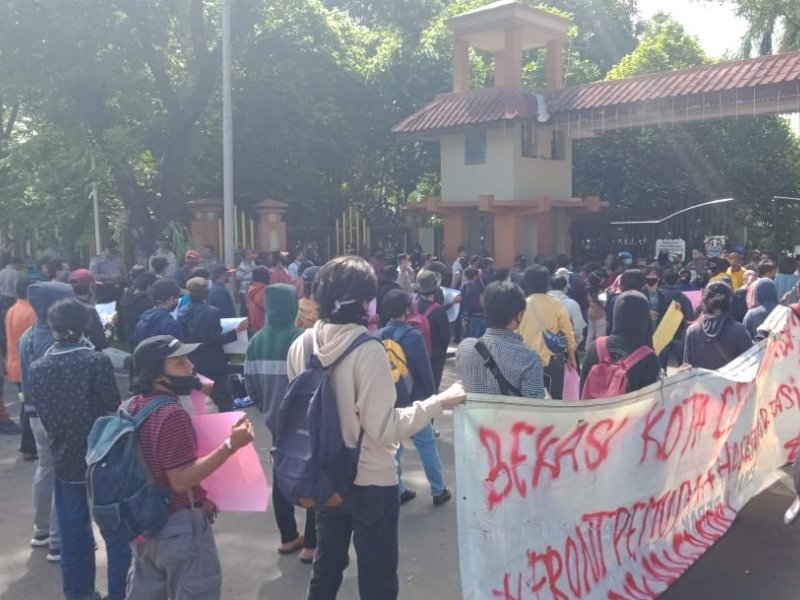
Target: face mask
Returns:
[[182, 385], [651, 281]]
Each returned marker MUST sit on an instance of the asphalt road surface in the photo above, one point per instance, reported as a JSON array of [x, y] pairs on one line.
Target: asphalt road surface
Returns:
[[757, 559]]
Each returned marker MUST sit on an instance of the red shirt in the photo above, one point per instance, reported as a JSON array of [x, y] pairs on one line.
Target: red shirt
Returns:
[[167, 440]]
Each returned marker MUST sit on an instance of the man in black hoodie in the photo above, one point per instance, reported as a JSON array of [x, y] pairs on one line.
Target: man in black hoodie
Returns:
[[200, 323], [631, 331], [717, 338], [159, 320]]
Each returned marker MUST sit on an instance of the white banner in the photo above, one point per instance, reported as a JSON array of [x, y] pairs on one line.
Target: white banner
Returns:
[[617, 498]]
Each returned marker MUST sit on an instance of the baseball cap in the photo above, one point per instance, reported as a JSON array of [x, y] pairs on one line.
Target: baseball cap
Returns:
[[192, 254], [158, 348], [81, 277]]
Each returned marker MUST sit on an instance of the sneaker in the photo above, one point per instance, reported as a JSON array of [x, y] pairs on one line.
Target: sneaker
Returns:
[[29, 456], [8, 427], [791, 513], [407, 496], [40, 540], [54, 555], [442, 498]]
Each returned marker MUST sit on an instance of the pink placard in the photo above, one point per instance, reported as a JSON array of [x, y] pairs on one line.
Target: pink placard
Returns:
[[572, 383], [239, 485], [695, 297]]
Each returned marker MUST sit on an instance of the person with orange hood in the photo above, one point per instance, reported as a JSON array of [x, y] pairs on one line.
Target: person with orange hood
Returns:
[[255, 298]]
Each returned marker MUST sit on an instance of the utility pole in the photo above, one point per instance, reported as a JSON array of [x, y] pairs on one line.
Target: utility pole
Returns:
[[98, 244], [228, 217]]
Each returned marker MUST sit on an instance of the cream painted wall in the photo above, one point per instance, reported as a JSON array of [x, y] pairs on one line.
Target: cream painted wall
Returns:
[[465, 183], [542, 177], [506, 175]]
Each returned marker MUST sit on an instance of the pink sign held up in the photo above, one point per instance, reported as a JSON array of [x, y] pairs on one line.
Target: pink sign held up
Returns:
[[239, 485]]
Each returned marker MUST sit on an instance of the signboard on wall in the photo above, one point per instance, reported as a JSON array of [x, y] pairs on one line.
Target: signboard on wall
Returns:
[[715, 244], [672, 247]]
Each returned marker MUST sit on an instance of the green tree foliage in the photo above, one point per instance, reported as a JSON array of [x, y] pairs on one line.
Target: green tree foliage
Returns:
[[653, 172], [773, 25]]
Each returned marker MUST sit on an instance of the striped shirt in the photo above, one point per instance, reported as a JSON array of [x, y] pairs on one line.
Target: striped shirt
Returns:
[[520, 365], [168, 442]]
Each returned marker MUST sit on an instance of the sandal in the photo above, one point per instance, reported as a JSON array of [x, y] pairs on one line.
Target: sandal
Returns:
[[291, 547], [307, 555]]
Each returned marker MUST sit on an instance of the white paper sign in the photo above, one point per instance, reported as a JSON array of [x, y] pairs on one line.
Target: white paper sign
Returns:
[[671, 247], [617, 498], [449, 295], [240, 345], [106, 311]]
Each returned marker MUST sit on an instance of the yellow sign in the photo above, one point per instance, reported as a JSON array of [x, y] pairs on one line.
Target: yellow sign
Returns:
[[668, 326]]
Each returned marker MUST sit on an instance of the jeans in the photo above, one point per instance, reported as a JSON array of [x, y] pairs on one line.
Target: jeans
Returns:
[[45, 518], [77, 547], [370, 515], [27, 444], [474, 327], [221, 395], [428, 450], [284, 517]]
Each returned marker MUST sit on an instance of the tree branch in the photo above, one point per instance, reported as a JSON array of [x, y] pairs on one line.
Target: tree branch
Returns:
[[12, 119], [154, 61]]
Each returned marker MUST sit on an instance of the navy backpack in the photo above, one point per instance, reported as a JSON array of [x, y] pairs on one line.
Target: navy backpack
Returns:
[[313, 466], [124, 499]]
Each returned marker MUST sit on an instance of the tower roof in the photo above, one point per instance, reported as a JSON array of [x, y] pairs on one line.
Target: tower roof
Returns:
[[484, 28]]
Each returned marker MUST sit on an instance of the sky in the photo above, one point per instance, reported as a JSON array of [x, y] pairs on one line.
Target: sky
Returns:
[[719, 30]]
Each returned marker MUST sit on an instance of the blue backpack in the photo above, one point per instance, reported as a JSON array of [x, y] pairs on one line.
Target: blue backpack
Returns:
[[313, 466], [124, 499]]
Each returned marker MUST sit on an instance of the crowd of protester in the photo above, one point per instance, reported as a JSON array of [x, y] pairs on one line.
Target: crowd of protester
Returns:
[[530, 329]]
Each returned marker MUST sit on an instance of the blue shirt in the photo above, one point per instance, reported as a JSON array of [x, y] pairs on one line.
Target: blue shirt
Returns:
[[520, 365]]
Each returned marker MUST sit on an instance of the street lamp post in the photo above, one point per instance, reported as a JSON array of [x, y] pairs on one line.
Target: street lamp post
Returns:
[[227, 137]]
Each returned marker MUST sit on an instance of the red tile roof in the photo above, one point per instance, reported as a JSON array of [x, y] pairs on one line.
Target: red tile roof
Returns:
[[740, 75], [476, 107], [488, 105]]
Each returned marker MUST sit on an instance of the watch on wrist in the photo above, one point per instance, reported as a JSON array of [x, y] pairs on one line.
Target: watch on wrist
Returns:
[[228, 444]]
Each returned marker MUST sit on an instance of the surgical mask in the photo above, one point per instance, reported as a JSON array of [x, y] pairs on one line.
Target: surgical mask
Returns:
[[182, 385]]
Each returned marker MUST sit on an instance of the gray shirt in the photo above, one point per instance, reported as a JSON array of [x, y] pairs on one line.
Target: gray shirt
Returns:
[[8, 281]]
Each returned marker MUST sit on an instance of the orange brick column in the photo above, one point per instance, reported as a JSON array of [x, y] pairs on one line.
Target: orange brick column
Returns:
[[544, 231], [206, 218], [506, 238], [455, 228], [271, 227]]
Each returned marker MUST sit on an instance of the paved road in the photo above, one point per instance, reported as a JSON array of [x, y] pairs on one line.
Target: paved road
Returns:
[[757, 559]]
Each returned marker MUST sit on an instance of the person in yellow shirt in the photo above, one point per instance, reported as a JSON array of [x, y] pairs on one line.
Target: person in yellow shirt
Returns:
[[545, 313], [736, 271]]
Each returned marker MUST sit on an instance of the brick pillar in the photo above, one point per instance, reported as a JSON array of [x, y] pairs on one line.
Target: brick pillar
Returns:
[[544, 224], [206, 219], [270, 226], [455, 228], [555, 65], [506, 239], [460, 65]]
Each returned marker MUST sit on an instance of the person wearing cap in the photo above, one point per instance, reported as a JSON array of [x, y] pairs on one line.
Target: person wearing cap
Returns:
[[255, 298], [307, 310], [190, 263], [200, 323], [164, 250], [82, 282], [72, 386], [159, 320], [181, 560], [218, 294], [428, 284]]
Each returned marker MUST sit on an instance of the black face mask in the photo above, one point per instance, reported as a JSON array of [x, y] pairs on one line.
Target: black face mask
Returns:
[[183, 385], [651, 281]]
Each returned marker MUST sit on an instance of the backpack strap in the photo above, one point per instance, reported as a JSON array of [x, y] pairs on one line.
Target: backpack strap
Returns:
[[636, 357], [308, 346], [506, 389], [430, 309], [149, 408], [602, 349]]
